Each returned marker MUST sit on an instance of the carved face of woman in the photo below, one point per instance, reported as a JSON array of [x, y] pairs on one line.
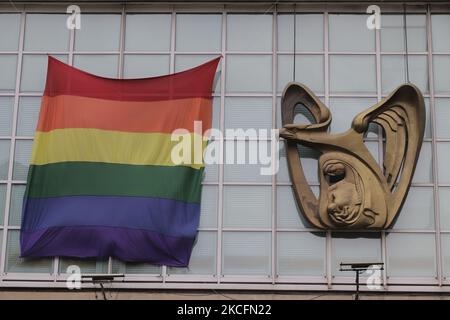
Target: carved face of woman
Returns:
[[346, 188], [343, 200]]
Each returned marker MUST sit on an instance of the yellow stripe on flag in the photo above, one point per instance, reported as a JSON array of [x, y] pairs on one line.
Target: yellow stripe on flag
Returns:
[[95, 145]]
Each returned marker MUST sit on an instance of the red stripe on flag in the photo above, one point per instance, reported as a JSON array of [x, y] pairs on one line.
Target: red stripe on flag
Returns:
[[197, 82]]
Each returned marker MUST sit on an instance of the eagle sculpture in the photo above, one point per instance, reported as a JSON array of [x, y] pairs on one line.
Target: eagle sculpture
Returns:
[[355, 192]]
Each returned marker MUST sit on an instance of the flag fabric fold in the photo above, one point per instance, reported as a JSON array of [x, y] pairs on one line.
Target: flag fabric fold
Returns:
[[101, 180]]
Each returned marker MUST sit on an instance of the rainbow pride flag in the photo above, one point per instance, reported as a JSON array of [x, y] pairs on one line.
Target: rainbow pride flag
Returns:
[[102, 181]]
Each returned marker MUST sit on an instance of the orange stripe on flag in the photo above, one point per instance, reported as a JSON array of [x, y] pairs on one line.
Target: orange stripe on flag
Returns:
[[65, 111]]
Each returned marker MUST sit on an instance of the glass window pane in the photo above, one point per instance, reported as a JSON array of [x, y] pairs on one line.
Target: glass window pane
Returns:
[[6, 111], [15, 212], [248, 113], [393, 72], [135, 268], [4, 158], [417, 211], [372, 146], [8, 65], [216, 112], [308, 71], [46, 32], [424, 168], [248, 169], [34, 71], [288, 213], [411, 255], [352, 74], [249, 73], [444, 206], [393, 37], [348, 248], [99, 32], [16, 264], [185, 62], [203, 257], [446, 254], [105, 66], [442, 107], [301, 254], [344, 110], [309, 33], [211, 168], [443, 159], [86, 265], [22, 159], [9, 32], [440, 24], [2, 202], [143, 66], [28, 115], [349, 32], [208, 205], [246, 207], [441, 72], [309, 160], [427, 133], [302, 115], [249, 32], [212, 151], [246, 253], [147, 32], [199, 32]]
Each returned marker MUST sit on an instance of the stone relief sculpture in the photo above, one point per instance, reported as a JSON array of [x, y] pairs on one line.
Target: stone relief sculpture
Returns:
[[355, 192]]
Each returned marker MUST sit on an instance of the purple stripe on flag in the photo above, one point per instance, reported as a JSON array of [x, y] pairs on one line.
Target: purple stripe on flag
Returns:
[[165, 216], [126, 244]]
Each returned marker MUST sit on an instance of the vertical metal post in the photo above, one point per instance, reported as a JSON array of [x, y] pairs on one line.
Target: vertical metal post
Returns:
[[405, 35], [380, 137], [120, 72], [295, 41], [221, 149], [434, 150], [71, 45], [13, 144], [57, 260], [327, 102], [121, 43], [273, 145], [172, 70]]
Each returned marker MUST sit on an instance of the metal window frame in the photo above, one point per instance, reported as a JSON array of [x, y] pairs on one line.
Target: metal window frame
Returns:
[[218, 280]]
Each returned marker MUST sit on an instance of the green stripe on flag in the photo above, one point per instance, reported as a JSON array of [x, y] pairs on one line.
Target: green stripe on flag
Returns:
[[108, 179]]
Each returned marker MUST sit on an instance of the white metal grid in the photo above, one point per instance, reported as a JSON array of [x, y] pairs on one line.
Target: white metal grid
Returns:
[[218, 280]]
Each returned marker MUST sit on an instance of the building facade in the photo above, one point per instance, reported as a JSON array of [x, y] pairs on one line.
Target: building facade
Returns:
[[251, 235]]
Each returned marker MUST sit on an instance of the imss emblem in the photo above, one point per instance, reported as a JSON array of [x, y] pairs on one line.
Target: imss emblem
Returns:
[[355, 192]]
